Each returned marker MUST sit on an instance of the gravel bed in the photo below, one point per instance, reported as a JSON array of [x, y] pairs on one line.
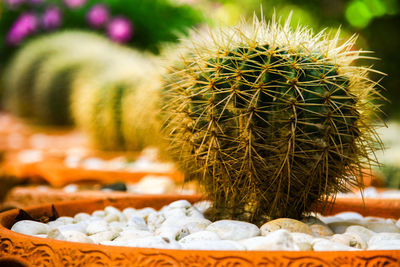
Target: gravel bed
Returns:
[[181, 225]]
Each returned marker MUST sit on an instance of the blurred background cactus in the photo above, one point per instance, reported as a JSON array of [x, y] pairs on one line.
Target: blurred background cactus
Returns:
[[118, 109], [38, 79], [270, 120]]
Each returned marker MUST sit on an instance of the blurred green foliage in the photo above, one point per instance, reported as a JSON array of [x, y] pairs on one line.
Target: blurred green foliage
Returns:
[[154, 21]]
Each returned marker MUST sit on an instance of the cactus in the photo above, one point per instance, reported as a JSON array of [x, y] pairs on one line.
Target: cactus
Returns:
[[271, 121], [24, 68], [52, 88], [21, 74], [140, 110], [117, 110]]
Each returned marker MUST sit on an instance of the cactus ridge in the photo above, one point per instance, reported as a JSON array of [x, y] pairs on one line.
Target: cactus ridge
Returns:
[[269, 120]]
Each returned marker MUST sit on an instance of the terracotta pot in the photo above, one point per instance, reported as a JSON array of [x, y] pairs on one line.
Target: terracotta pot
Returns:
[[379, 207], [21, 197], [33, 251], [53, 171]]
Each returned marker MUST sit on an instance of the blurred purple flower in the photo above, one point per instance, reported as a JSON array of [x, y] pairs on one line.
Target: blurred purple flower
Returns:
[[74, 3], [52, 18], [97, 16], [120, 30], [15, 3], [26, 24]]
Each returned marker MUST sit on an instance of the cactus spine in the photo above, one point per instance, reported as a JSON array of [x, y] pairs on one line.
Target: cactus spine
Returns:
[[269, 120]]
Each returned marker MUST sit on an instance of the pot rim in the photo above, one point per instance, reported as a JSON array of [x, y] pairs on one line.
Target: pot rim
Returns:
[[6, 220]]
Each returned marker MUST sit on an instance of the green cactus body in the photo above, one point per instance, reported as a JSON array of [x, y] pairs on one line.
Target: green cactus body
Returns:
[[24, 72], [108, 117], [118, 109], [21, 75], [53, 88], [270, 121], [140, 124]]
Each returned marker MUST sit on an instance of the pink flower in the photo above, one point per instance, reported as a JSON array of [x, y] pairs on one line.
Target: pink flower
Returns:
[[97, 16], [52, 18], [26, 24], [120, 30], [74, 3]]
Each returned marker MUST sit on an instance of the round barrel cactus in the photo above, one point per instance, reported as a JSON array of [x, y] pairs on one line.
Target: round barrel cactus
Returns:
[[22, 73], [271, 121], [117, 109]]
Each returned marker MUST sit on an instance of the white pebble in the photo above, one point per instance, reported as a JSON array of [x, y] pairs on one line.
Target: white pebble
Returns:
[[194, 224], [116, 226], [138, 223], [302, 238], [233, 230], [320, 244], [129, 212], [201, 235], [99, 213], [112, 217], [340, 227], [103, 236], [97, 227], [144, 213], [65, 220], [321, 230], [74, 227], [290, 225], [71, 235], [154, 220], [379, 237], [180, 204], [174, 213], [172, 232], [363, 232], [71, 188], [154, 185], [349, 216], [349, 239], [54, 224], [202, 206], [82, 216], [194, 213], [213, 245], [132, 234], [277, 240], [382, 227], [112, 210], [154, 242], [30, 227], [93, 164]]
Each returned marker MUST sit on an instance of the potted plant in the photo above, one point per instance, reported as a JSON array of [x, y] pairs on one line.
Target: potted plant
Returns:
[[271, 122]]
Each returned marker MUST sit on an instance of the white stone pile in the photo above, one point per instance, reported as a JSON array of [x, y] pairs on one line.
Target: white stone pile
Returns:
[[181, 225]]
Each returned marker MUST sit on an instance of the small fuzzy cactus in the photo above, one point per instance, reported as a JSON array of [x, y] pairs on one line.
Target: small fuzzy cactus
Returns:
[[271, 121]]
